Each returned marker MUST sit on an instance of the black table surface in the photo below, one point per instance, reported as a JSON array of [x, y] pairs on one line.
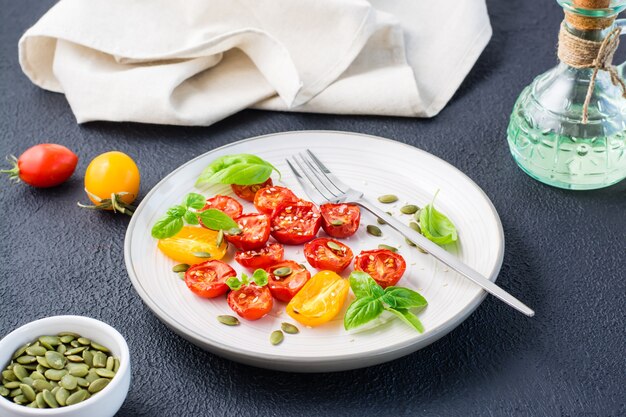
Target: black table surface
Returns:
[[565, 256]]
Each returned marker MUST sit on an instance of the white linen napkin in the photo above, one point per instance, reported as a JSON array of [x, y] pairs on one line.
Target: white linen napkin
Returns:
[[194, 62]]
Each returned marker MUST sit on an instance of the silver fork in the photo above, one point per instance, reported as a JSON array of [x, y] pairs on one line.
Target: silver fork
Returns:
[[322, 186]]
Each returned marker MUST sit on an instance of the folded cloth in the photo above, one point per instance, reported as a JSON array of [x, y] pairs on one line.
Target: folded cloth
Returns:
[[195, 62]]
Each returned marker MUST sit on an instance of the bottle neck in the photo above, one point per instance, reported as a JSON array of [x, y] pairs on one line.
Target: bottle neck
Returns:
[[592, 34]]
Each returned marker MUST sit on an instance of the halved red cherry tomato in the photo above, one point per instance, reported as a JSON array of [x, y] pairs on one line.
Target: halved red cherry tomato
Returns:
[[340, 220], [228, 205], [261, 258], [247, 192], [286, 278], [385, 266], [255, 230], [296, 223], [268, 198], [208, 279], [323, 253], [251, 301]]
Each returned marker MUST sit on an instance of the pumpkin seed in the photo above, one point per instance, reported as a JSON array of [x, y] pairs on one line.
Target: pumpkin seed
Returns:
[[98, 346], [9, 375], [228, 320], [20, 372], [26, 359], [13, 384], [116, 367], [55, 359], [15, 392], [75, 350], [336, 222], [374, 230], [37, 375], [61, 396], [4, 392], [388, 198], [289, 328], [180, 268], [32, 405], [20, 399], [417, 215], [36, 350], [68, 382], [28, 381], [74, 335], [84, 341], [55, 389], [409, 242], [67, 338], [201, 254], [277, 337], [98, 385], [75, 358], [75, 398], [42, 384], [77, 369], [220, 238], [91, 375], [282, 272], [55, 374], [181, 275], [415, 226], [82, 382], [391, 248], [28, 392], [19, 352], [99, 360], [39, 400], [334, 246], [88, 357], [105, 373], [41, 360], [49, 340], [409, 209], [74, 343], [49, 399], [110, 363]]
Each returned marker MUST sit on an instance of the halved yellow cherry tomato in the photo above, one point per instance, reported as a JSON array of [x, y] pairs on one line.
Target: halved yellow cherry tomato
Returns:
[[320, 299], [182, 245], [112, 173]]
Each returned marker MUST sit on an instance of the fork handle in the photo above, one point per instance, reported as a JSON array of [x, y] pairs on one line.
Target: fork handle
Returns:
[[446, 258]]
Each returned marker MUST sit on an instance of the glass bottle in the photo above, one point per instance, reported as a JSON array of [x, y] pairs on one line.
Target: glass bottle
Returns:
[[547, 135]]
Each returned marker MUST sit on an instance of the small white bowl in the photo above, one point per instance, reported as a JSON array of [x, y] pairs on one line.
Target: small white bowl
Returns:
[[103, 404]]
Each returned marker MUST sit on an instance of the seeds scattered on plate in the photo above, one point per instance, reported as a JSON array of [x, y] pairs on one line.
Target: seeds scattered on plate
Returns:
[[374, 230], [388, 198], [277, 337]]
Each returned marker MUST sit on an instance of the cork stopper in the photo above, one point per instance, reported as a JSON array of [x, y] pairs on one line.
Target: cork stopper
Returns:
[[581, 22]]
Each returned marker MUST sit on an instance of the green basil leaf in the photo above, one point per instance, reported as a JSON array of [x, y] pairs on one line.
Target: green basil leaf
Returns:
[[194, 201], [435, 226], [407, 317], [166, 227], [217, 220], [400, 297], [234, 283], [241, 169], [191, 217], [361, 311], [260, 277], [363, 285], [176, 211]]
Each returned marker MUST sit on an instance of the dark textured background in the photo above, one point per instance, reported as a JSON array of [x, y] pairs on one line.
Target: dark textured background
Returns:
[[565, 256]]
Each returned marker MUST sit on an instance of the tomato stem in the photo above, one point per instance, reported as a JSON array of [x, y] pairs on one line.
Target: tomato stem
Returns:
[[115, 203], [14, 172]]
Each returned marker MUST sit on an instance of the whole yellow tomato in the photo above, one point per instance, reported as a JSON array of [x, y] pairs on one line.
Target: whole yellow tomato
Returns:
[[112, 175], [320, 300]]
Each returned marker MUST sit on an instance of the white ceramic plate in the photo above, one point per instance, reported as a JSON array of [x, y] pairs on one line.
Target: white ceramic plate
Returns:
[[372, 164]]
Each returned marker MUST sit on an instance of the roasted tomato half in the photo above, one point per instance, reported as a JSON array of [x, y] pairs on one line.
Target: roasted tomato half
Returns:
[[323, 253], [340, 220], [265, 257], [182, 246], [295, 223], [208, 279], [385, 266], [285, 279], [228, 205], [320, 300], [255, 230], [268, 198], [247, 192], [251, 301]]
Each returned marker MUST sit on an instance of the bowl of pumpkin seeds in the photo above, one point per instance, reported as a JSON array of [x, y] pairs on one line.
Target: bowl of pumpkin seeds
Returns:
[[70, 366]]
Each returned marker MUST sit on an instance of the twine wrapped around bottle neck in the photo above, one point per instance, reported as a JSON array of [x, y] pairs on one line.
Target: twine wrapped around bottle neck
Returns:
[[583, 53]]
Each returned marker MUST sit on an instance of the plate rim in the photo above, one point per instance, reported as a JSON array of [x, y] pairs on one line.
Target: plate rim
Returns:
[[278, 361]]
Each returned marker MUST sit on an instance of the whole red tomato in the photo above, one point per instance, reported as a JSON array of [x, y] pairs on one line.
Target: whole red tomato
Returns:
[[44, 165]]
